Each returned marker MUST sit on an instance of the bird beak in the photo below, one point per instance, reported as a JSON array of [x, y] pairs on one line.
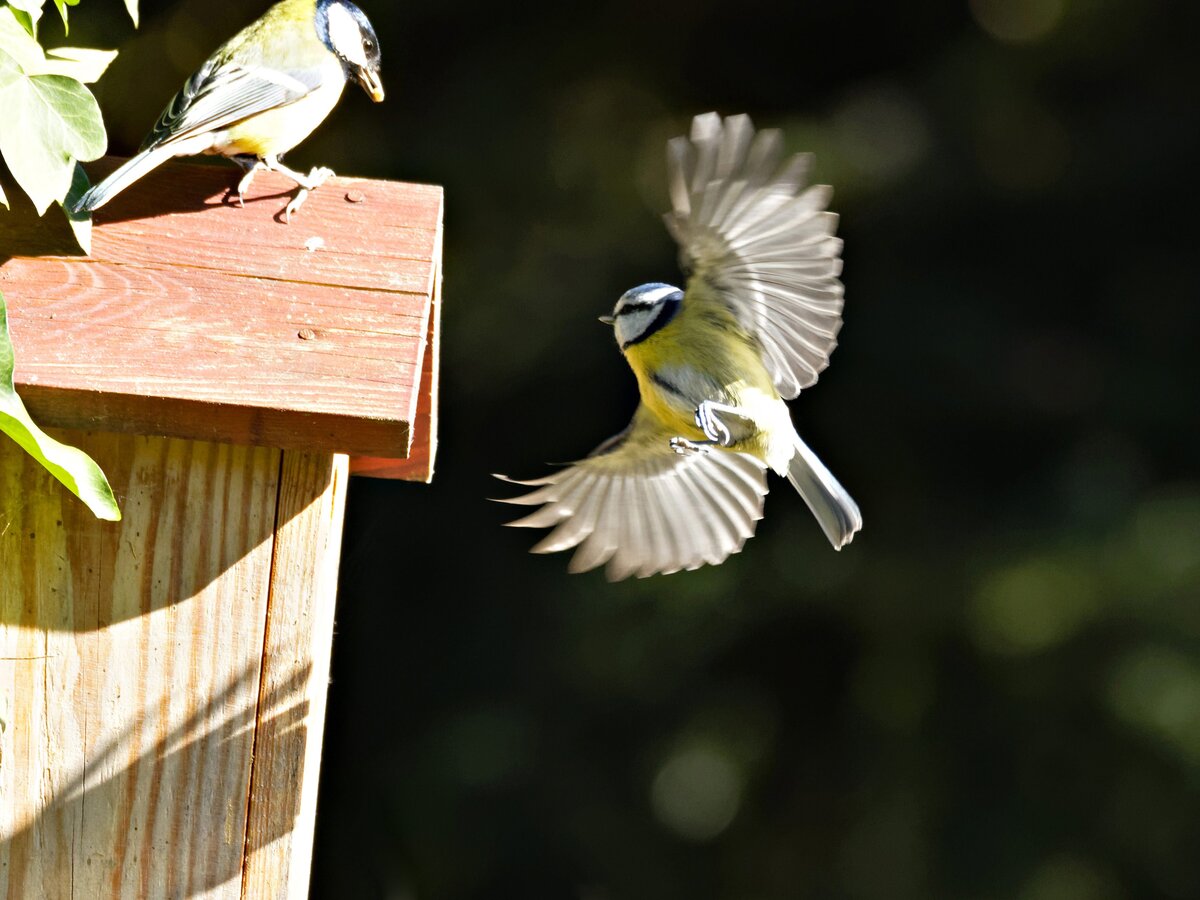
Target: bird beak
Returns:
[[607, 320], [369, 80]]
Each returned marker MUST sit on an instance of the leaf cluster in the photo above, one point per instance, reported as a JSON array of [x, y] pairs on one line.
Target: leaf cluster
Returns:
[[70, 465], [49, 123]]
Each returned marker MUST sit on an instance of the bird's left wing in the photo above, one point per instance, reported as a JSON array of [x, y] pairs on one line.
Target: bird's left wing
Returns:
[[643, 508], [222, 92], [747, 224]]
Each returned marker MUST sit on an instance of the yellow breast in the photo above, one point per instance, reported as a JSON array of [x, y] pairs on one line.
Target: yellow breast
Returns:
[[703, 354], [278, 130]]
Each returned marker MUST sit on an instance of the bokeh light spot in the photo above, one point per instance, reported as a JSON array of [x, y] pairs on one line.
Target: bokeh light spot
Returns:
[[697, 792], [1018, 21], [1031, 606], [1167, 530], [1069, 878], [1157, 691], [881, 131]]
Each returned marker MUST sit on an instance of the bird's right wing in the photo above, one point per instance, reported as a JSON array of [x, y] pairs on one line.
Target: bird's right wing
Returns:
[[747, 223], [220, 93], [643, 508]]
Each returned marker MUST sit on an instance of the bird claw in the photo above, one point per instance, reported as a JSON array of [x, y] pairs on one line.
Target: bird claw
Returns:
[[297, 202], [243, 186], [714, 429], [316, 177]]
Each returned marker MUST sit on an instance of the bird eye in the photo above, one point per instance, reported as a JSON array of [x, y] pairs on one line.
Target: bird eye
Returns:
[[368, 45]]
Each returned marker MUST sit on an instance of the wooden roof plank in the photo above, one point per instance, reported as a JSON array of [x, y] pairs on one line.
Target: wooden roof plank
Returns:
[[196, 318]]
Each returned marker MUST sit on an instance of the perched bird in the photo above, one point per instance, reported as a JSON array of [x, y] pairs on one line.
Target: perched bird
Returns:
[[260, 94], [684, 484]]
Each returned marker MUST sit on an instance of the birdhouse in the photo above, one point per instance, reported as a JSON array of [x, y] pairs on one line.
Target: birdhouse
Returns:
[[163, 678]]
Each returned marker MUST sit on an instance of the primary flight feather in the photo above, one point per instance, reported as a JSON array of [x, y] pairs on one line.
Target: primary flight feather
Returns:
[[683, 485]]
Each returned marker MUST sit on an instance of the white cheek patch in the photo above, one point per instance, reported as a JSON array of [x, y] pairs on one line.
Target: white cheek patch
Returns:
[[633, 325], [345, 35]]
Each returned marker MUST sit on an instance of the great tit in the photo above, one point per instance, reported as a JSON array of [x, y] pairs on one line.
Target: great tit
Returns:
[[684, 484], [260, 94]]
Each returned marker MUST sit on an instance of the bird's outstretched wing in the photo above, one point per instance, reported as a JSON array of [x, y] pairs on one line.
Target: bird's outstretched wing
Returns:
[[750, 227], [643, 508], [222, 92]]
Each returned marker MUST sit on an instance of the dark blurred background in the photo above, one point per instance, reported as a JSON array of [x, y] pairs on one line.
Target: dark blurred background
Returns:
[[994, 692]]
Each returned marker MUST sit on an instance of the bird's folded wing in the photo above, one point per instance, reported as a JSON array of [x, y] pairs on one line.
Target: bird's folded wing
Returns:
[[749, 226], [221, 93], [642, 508]]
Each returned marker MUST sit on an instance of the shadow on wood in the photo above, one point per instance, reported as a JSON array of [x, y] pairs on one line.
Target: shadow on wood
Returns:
[[192, 511], [180, 838], [163, 678], [230, 326]]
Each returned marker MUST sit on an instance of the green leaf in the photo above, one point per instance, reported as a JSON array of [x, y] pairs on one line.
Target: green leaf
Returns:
[[33, 7], [131, 6], [27, 20], [81, 223], [17, 41], [62, 11], [79, 63], [70, 465], [50, 122]]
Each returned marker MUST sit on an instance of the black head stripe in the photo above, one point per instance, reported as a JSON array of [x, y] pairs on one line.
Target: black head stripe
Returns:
[[322, 23], [670, 306]]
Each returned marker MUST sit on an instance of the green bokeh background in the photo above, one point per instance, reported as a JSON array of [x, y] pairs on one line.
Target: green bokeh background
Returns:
[[994, 692]]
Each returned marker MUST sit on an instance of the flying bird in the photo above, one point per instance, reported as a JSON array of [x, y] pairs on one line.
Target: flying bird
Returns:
[[683, 485]]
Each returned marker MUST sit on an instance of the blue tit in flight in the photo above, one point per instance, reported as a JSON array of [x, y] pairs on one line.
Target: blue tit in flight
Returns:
[[260, 94], [684, 483]]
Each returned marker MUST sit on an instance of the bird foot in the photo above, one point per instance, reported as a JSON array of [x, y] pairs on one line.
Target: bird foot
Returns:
[[708, 421], [684, 447], [244, 184], [316, 177]]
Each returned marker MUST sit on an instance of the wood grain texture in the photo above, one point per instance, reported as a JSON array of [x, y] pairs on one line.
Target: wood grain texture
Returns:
[[134, 690], [296, 656], [418, 466], [196, 318], [129, 682]]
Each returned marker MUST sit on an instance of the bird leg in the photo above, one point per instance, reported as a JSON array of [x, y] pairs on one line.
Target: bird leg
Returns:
[[724, 425], [684, 447], [251, 164], [310, 182]]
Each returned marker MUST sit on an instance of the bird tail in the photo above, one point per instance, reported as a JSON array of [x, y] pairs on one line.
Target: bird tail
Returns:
[[127, 174], [835, 510]]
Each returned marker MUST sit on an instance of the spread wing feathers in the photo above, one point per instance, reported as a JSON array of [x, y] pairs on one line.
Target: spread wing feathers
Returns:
[[642, 508], [220, 93], [747, 225]]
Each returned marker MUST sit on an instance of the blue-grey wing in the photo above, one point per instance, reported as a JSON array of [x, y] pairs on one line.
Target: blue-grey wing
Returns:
[[642, 508], [746, 223], [220, 93]]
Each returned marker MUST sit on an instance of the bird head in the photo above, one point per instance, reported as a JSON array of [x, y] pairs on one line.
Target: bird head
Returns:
[[643, 310], [347, 32]]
